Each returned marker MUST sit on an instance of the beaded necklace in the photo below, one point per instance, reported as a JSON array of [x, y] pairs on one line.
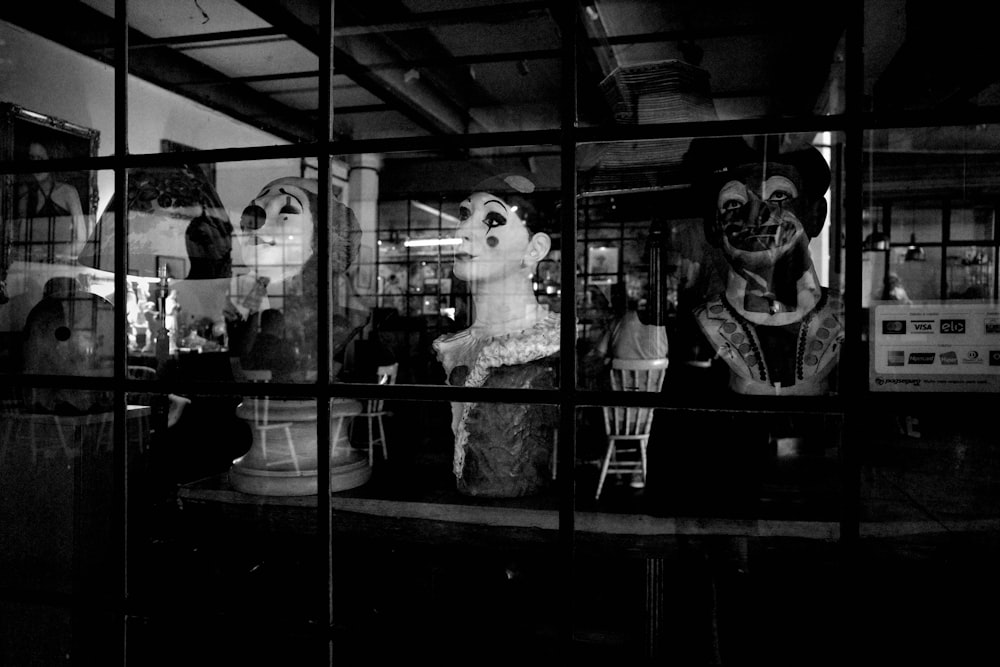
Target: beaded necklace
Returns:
[[750, 333]]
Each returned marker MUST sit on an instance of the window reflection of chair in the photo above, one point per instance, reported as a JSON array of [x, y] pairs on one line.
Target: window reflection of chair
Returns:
[[262, 423], [373, 412], [630, 425], [47, 436], [175, 403], [141, 373]]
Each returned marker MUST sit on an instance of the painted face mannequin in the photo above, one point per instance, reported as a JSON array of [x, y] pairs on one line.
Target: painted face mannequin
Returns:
[[495, 240], [775, 326], [277, 225], [764, 219], [512, 342]]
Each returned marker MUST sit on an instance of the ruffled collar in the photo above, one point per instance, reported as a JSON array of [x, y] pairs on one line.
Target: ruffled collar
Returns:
[[483, 353]]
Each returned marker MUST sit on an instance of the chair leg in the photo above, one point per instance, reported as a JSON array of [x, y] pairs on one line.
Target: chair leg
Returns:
[[381, 434], [370, 430], [604, 469], [291, 450], [642, 453], [555, 453], [338, 424]]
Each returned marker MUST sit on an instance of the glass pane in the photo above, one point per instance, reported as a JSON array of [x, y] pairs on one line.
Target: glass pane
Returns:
[[57, 508], [972, 222], [465, 276], [446, 68], [928, 490], [900, 75], [930, 194], [695, 282], [917, 278], [37, 64], [262, 76], [769, 466], [648, 62], [970, 272], [696, 518], [916, 222]]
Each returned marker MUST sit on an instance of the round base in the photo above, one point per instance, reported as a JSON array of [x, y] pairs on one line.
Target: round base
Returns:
[[347, 471]]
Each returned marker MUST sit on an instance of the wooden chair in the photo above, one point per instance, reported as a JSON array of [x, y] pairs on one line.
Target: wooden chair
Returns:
[[262, 423], [630, 424], [373, 413]]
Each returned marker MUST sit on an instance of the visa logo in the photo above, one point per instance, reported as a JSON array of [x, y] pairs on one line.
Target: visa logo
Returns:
[[922, 326], [953, 326]]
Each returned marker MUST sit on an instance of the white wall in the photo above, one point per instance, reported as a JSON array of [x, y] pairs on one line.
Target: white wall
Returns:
[[43, 76]]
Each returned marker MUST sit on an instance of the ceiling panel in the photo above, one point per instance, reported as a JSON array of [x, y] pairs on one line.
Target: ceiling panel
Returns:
[[255, 58], [174, 18]]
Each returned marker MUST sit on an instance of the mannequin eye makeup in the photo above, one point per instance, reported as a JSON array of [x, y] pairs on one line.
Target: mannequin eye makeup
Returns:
[[731, 196], [780, 196], [463, 213], [253, 218], [779, 189], [289, 208], [493, 220]]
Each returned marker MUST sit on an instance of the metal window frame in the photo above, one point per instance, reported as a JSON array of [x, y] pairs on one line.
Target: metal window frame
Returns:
[[853, 405]]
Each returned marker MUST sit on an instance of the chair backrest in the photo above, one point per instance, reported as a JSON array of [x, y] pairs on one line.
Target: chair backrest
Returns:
[[634, 375], [257, 375], [141, 372], [385, 375]]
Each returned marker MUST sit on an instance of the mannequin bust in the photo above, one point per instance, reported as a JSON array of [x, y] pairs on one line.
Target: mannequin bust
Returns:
[[501, 450], [279, 239], [278, 244], [774, 325]]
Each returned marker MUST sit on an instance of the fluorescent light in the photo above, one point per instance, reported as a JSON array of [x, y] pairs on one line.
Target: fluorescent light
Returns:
[[435, 212], [417, 243]]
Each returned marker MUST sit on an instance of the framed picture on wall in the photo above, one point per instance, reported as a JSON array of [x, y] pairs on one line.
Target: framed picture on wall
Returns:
[[45, 218], [602, 265], [176, 266]]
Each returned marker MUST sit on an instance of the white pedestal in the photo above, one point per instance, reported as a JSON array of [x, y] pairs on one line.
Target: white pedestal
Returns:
[[273, 472]]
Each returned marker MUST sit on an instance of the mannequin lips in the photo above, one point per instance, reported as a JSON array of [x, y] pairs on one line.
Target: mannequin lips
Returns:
[[257, 240], [463, 256]]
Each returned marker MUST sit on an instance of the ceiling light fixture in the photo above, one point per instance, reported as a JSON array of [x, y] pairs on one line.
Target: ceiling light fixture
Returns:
[[875, 241], [914, 253]]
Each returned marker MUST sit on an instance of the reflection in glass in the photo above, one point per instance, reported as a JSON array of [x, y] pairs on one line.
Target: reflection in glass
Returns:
[[931, 189]]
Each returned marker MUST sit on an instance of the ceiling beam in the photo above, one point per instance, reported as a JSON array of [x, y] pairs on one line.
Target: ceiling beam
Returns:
[[416, 100], [89, 32]]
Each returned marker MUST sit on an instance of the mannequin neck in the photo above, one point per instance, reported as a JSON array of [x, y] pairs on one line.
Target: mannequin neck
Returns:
[[506, 305]]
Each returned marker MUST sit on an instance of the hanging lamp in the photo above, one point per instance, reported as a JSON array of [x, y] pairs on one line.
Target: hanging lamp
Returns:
[[914, 253]]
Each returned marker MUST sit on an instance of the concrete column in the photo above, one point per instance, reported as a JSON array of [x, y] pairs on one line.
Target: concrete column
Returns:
[[362, 198]]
